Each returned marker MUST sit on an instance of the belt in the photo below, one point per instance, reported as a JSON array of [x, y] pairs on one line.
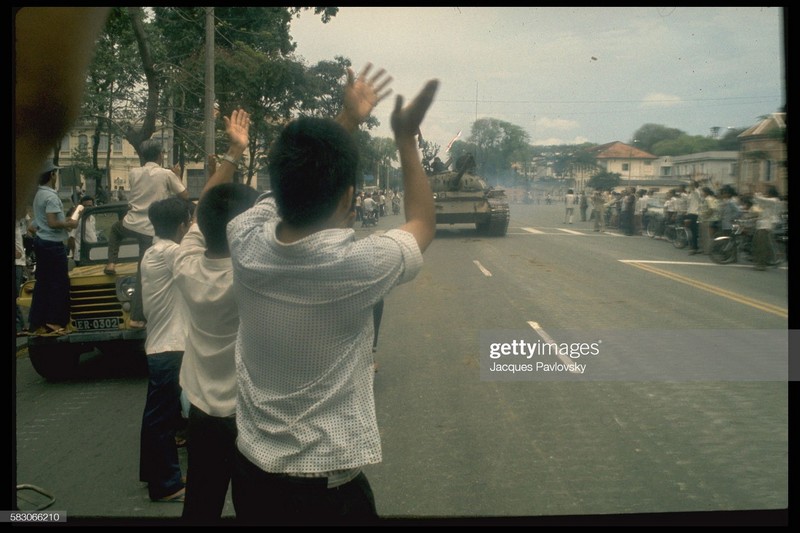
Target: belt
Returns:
[[335, 478]]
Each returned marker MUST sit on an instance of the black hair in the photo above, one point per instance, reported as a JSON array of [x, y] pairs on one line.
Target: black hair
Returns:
[[44, 177], [311, 165], [218, 206], [150, 150], [168, 214]]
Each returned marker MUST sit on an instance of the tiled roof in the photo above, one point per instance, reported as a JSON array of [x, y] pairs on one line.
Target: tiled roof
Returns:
[[620, 150], [773, 121]]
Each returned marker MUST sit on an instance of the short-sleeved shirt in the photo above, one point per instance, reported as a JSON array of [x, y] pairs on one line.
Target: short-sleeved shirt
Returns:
[[149, 184], [47, 201], [89, 233], [304, 350], [163, 305], [208, 370]]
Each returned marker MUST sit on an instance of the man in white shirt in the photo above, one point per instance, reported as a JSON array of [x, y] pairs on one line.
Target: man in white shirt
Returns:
[[694, 201], [89, 231], [204, 276], [149, 184], [165, 312], [306, 289]]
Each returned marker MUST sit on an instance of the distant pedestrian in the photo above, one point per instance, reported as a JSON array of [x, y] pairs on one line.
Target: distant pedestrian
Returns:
[[584, 205], [769, 208], [569, 202], [599, 210]]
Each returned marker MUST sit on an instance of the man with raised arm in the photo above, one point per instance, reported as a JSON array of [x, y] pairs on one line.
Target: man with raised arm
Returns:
[[306, 289]]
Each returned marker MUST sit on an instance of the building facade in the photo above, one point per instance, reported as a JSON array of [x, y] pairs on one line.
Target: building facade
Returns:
[[763, 156]]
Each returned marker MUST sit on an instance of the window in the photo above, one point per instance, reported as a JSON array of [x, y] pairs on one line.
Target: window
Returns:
[[626, 167], [103, 145], [83, 142], [65, 144], [117, 143]]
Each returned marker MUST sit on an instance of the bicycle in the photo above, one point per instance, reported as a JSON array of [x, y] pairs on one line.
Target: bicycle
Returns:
[[678, 233], [728, 248]]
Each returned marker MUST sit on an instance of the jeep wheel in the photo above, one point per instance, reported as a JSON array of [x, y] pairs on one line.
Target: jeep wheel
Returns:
[[56, 362]]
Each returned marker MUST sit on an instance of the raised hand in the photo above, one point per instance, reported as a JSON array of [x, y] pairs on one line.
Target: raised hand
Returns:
[[406, 120], [237, 127], [363, 93]]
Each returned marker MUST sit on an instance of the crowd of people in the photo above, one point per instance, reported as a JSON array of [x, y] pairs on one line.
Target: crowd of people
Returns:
[[262, 312], [705, 211], [371, 206]]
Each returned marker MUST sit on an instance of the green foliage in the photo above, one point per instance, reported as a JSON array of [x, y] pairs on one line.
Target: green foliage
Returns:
[[496, 143], [377, 153], [604, 180], [684, 144], [730, 141], [648, 135]]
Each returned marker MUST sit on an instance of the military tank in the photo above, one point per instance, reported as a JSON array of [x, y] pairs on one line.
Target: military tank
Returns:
[[462, 197]]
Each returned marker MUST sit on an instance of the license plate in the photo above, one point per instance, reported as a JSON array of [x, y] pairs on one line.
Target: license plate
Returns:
[[97, 323]]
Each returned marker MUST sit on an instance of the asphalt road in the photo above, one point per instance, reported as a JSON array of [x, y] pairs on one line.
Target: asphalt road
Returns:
[[646, 444]]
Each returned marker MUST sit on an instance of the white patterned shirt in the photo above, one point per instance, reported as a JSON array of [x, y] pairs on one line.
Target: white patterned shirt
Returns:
[[304, 350]]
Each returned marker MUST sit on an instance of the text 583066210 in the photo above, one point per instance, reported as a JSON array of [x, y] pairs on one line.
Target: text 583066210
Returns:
[[32, 517]]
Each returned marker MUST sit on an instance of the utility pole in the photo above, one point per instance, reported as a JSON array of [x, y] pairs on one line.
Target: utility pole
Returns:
[[209, 94]]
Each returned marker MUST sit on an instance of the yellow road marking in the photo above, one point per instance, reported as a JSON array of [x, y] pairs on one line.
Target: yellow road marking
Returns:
[[763, 306]]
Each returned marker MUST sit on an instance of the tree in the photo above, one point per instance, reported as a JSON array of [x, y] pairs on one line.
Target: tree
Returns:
[[684, 144], [604, 180], [649, 135], [496, 142], [255, 57], [109, 91], [381, 151], [730, 141]]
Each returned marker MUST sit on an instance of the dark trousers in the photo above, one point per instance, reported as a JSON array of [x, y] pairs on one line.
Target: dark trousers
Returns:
[[211, 444], [265, 499], [158, 458], [763, 248], [115, 237], [50, 303], [694, 229]]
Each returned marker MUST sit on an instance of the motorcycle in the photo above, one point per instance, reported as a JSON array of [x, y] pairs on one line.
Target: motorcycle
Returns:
[[370, 218]]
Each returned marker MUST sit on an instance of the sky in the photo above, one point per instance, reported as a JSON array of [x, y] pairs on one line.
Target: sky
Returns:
[[565, 74]]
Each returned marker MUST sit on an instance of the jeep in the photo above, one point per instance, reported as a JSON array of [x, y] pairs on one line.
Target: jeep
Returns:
[[99, 303]]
